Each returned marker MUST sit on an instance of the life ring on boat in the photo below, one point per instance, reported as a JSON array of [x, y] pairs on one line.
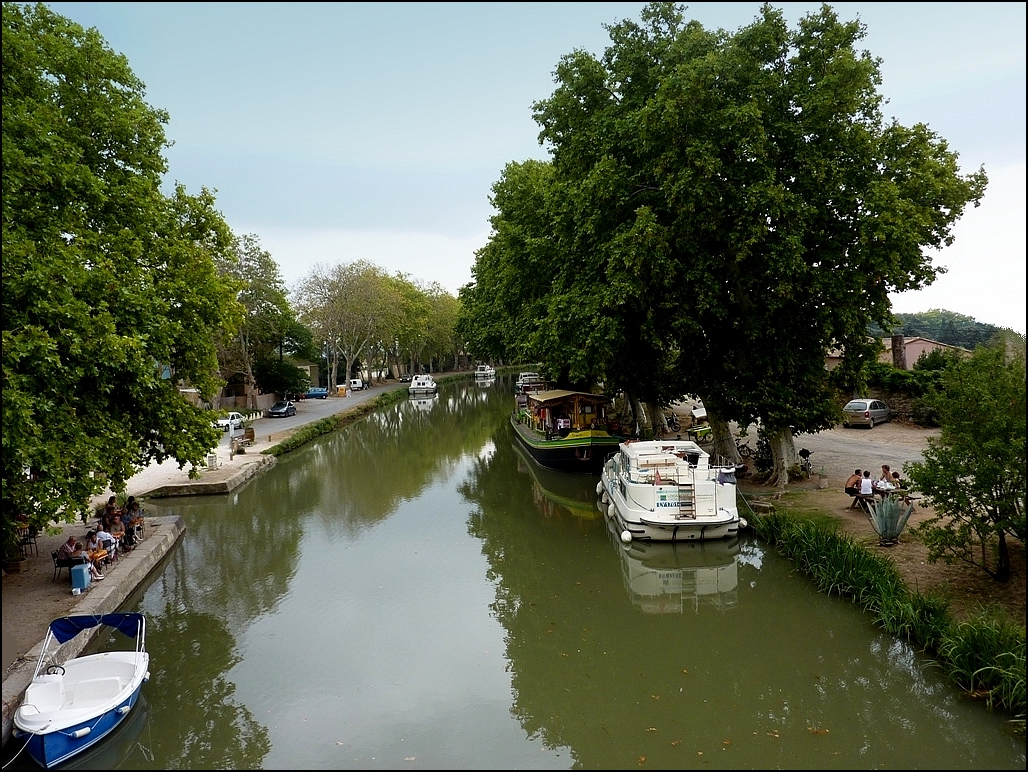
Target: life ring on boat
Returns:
[[583, 454]]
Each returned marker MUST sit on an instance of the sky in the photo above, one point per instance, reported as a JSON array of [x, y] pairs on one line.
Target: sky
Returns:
[[338, 132]]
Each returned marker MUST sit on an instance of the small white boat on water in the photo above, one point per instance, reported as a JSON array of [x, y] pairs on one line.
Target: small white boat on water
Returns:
[[667, 490], [485, 371], [422, 384], [71, 705]]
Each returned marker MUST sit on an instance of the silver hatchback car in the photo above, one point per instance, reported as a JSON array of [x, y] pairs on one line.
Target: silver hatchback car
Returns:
[[866, 412]]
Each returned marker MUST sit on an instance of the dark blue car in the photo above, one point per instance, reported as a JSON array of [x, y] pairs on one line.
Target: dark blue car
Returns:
[[316, 392]]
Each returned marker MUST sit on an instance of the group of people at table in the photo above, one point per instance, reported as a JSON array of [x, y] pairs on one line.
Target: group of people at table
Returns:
[[116, 532], [861, 485]]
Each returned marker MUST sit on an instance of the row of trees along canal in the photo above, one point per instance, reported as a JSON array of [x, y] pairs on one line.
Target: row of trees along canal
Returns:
[[718, 211], [115, 293]]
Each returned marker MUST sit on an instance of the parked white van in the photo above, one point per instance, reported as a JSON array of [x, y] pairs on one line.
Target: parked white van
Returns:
[[357, 384]]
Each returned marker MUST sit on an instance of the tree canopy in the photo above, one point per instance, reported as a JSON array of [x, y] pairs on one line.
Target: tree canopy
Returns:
[[973, 475], [719, 210], [110, 293]]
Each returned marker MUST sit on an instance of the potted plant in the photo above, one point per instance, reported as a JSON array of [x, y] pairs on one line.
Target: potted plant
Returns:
[[14, 560]]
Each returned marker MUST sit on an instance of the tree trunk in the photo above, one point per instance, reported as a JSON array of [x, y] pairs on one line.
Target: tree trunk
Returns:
[[724, 445], [1003, 569], [783, 455], [658, 423], [639, 414], [333, 379]]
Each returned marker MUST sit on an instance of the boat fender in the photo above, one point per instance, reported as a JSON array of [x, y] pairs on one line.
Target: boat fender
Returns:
[[626, 536], [743, 524], [612, 510], [599, 487], [124, 709], [81, 732], [605, 498]]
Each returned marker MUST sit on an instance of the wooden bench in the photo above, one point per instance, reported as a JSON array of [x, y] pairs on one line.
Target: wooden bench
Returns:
[[863, 502]]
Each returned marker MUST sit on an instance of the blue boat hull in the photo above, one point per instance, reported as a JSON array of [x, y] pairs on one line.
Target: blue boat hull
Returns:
[[56, 747]]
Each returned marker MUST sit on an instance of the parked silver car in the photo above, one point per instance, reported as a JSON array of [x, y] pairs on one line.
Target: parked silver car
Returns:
[[282, 409], [866, 412]]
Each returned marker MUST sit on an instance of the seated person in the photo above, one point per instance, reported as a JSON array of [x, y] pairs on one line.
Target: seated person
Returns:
[[111, 508], [867, 487], [107, 542], [65, 551], [80, 552], [133, 518], [96, 551], [92, 542], [117, 532], [901, 487], [883, 487], [125, 532], [852, 486]]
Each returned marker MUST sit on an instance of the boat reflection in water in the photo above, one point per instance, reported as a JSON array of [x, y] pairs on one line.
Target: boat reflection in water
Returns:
[[669, 577], [558, 493], [424, 402]]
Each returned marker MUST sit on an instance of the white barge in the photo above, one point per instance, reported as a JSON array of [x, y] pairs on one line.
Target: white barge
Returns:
[[667, 490]]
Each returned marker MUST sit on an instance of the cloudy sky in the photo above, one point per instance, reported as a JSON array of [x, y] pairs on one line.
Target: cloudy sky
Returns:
[[345, 131]]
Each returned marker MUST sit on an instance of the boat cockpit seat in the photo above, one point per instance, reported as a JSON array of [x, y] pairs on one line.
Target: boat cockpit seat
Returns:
[[45, 693], [95, 690]]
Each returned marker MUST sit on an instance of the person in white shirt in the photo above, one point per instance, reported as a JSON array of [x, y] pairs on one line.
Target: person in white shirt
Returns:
[[867, 487]]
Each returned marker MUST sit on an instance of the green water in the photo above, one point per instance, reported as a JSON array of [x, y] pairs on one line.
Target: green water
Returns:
[[412, 593]]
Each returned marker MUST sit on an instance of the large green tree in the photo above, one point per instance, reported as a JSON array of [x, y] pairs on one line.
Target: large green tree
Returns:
[[267, 323], [110, 294], [722, 209], [973, 475], [350, 308]]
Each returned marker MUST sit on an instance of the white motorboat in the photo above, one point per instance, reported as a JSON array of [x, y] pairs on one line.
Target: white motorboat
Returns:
[[667, 490], [72, 705], [485, 371], [422, 384]]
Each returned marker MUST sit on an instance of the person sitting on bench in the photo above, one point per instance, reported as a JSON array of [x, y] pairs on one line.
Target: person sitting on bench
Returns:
[[852, 486]]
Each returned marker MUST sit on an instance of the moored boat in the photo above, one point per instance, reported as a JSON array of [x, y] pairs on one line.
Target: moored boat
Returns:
[[530, 382], [485, 371], [667, 490], [564, 430], [422, 384], [72, 705]]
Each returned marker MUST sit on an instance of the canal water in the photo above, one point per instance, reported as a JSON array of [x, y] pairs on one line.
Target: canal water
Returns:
[[412, 592]]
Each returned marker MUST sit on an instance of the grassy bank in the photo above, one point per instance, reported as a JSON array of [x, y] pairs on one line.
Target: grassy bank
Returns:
[[984, 654]]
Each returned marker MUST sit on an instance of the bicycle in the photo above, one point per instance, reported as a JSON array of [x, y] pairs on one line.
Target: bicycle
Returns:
[[743, 448], [805, 465], [673, 423]]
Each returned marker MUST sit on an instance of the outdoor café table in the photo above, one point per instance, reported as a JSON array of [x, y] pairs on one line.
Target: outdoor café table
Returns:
[[97, 557]]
